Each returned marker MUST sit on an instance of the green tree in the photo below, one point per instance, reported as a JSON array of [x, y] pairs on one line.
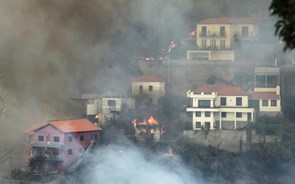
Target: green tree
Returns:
[[285, 28], [37, 163]]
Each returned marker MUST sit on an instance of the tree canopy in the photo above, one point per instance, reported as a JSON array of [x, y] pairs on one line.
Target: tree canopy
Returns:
[[285, 28]]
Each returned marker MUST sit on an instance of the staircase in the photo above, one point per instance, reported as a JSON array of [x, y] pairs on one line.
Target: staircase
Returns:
[[79, 160]]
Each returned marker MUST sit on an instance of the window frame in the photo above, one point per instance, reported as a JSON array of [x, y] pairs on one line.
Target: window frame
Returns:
[[239, 101], [40, 138], [223, 114], [198, 123], [206, 114], [70, 138], [273, 103], [222, 99], [198, 113], [204, 106], [264, 103], [56, 139], [70, 152], [82, 138], [151, 88], [239, 115]]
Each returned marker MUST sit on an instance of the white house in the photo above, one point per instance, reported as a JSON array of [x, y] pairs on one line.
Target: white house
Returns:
[[102, 106], [217, 37], [266, 98], [219, 107]]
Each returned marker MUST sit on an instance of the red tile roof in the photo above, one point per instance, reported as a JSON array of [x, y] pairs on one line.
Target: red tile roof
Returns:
[[227, 20], [264, 95], [67, 126], [222, 90], [35, 127], [147, 78]]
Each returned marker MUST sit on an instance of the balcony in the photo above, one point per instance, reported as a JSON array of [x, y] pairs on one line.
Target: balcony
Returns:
[[54, 158], [43, 144], [214, 34]]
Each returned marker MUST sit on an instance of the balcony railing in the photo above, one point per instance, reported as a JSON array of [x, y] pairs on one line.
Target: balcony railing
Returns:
[[212, 34], [42, 144], [57, 158]]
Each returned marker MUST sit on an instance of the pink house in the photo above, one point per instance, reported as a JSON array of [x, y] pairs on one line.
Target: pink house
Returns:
[[61, 141]]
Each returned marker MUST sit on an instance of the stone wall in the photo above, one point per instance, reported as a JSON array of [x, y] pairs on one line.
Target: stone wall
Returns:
[[229, 140]]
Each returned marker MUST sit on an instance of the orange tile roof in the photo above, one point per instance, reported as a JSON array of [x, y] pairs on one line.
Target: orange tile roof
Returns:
[[67, 126], [34, 127], [147, 78], [227, 20], [222, 90], [75, 125], [264, 95]]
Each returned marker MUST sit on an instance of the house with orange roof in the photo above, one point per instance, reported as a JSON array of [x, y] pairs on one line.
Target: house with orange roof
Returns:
[[61, 142], [265, 97], [147, 89], [216, 38], [214, 106]]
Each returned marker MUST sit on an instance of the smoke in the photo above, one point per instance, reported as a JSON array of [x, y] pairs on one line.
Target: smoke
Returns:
[[127, 164], [50, 50]]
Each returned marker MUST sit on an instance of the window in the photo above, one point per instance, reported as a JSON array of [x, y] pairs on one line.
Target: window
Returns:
[[223, 101], [207, 125], [81, 137], [238, 114], [198, 125], [40, 138], [222, 44], [222, 31], [39, 151], [264, 102], [70, 138], [223, 114], [198, 114], [70, 151], [204, 31], [95, 136], [204, 44], [140, 89], [111, 102], [55, 151], [245, 31], [150, 88], [212, 43], [56, 139], [207, 114], [204, 103], [273, 103], [238, 101]]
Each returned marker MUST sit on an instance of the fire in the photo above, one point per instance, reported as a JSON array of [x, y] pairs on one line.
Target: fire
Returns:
[[152, 121], [134, 123], [148, 126], [152, 131]]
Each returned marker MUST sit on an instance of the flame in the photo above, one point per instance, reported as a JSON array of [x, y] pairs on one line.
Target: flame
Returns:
[[152, 131], [134, 123], [152, 121], [143, 123]]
